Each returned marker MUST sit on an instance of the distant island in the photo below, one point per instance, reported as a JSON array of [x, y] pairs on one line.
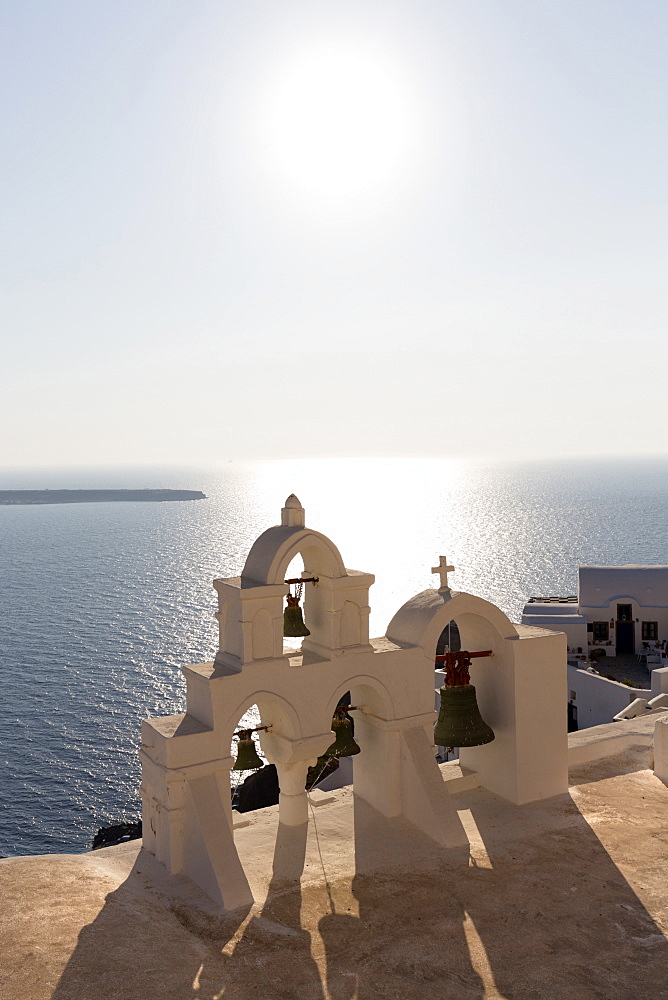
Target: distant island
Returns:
[[24, 498]]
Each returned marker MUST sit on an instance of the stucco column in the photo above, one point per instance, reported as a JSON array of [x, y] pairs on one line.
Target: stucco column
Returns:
[[376, 770], [292, 799], [163, 811]]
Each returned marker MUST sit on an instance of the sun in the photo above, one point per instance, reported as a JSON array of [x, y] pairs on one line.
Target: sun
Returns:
[[338, 123]]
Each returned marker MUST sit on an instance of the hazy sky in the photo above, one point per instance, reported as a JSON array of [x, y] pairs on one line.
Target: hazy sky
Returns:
[[267, 229]]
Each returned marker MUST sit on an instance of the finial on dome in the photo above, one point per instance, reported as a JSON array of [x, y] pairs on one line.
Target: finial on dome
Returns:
[[293, 514]]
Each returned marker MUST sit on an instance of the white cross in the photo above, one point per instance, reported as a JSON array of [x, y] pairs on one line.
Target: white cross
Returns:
[[443, 569]]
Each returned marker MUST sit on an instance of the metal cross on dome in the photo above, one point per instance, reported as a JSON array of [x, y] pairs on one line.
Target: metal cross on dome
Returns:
[[443, 569]]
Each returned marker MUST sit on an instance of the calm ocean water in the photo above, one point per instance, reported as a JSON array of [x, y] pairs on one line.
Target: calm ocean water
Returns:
[[101, 604]]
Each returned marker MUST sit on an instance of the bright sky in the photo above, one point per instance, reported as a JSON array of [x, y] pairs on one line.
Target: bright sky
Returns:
[[275, 228]]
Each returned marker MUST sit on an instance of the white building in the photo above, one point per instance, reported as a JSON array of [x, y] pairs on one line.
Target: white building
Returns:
[[618, 609]]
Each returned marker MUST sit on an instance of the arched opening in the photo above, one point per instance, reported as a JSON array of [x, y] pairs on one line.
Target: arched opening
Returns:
[[271, 554], [257, 786], [364, 695], [243, 791], [449, 640], [254, 787], [365, 691], [317, 558], [295, 571], [473, 634]]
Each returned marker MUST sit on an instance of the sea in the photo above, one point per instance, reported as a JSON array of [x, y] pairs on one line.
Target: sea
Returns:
[[102, 603]]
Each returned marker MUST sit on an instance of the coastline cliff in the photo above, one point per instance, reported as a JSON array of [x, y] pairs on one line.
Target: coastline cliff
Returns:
[[29, 497]]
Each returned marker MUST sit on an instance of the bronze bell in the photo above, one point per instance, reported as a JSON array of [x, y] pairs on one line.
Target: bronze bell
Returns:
[[344, 745], [460, 723], [293, 622], [324, 767], [248, 758]]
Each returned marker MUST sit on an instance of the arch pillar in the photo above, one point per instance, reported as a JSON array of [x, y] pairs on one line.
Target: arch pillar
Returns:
[[210, 855], [292, 758], [292, 796], [397, 775]]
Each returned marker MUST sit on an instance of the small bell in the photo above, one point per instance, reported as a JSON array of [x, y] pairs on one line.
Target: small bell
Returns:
[[460, 723], [344, 745], [248, 758], [293, 622]]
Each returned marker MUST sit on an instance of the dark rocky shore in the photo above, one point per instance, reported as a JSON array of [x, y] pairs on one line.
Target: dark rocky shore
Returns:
[[29, 497], [110, 836]]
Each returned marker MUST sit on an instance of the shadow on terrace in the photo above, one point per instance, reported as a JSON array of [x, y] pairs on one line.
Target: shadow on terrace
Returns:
[[541, 908]]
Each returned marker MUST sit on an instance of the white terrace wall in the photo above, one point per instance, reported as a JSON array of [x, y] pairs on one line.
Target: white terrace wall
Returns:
[[598, 699], [186, 758]]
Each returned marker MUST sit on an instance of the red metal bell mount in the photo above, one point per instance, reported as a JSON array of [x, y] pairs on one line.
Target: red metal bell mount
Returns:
[[457, 665]]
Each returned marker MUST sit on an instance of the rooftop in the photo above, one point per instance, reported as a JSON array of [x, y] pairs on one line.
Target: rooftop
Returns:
[[568, 891], [553, 600]]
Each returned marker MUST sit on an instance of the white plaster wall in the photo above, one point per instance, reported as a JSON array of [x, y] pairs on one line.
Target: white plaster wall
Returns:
[[597, 699], [661, 750], [522, 699], [645, 588], [659, 681], [642, 612], [599, 585], [576, 632], [558, 618]]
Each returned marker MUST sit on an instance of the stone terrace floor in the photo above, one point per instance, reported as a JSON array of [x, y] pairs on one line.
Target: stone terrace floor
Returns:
[[625, 667], [566, 898]]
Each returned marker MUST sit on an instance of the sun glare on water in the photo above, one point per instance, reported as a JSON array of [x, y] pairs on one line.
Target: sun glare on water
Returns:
[[338, 124]]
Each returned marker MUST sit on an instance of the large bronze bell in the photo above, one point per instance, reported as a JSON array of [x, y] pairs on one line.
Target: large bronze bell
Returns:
[[248, 758], [293, 622], [460, 723], [344, 745]]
